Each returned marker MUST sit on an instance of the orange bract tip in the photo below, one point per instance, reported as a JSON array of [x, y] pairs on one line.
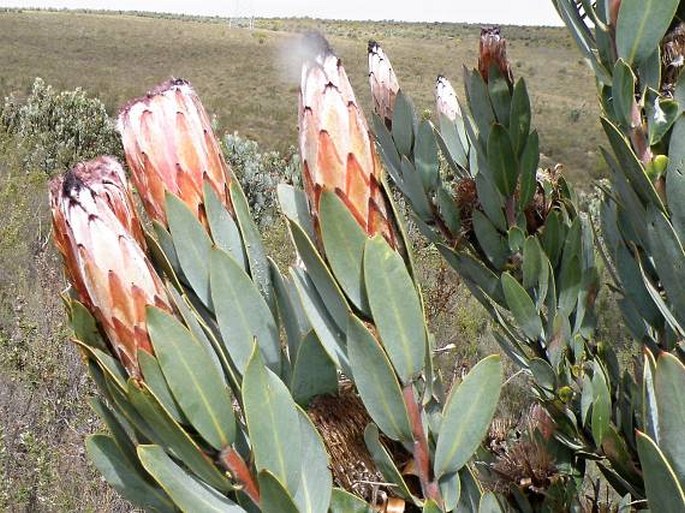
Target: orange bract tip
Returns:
[[170, 146], [383, 82], [98, 233], [337, 149], [493, 52], [446, 99]]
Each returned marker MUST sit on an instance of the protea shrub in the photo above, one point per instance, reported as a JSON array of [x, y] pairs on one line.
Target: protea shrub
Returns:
[[229, 385]]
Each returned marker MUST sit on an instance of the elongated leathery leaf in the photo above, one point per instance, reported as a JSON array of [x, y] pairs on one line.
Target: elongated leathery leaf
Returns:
[[426, 156], [292, 317], [201, 392], [500, 95], [601, 405], [431, 507], [467, 415], [502, 160], [669, 383], [669, 260], [274, 497], [675, 174], [167, 433], [84, 325], [314, 493], [153, 376], [664, 493], [479, 103], [450, 489], [242, 313], [252, 241], [623, 91], [321, 276], [403, 124], [522, 307], [630, 166], [109, 365], [489, 504], [115, 425], [192, 245], [345, 502], [224, 230], [294, 206], [109, 459], [187, 492], [376, 382], [396, 308], [332, 336], [314, 372], [273, 423], [641, 26], [519, 120], [528, 166], [494, 245], [384, 461]]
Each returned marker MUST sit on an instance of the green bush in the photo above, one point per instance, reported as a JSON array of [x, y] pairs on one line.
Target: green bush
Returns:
[[59, 129]]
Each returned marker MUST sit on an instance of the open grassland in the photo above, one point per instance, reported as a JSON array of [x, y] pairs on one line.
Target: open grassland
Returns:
[[248, 78]]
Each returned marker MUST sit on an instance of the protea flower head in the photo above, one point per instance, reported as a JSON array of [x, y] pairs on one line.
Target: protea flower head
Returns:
[[338, 152], [170, 146], [446, 99], [383, 82], [493, 52], [98, 233]]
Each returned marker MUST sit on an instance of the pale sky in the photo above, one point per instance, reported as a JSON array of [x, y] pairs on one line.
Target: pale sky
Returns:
[[515, 12]]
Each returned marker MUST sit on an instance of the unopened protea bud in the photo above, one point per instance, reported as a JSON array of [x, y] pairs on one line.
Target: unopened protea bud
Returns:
[[99, 235], [170, 146], [493, 52], [383, 82], [337, 149], [446, 99]]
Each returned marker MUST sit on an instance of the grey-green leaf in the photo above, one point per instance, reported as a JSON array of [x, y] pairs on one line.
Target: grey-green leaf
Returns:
[[188, 493], [489, 504], [502, 161], [669, 384], [242, 313], [522, 307], [199, 389], [384, 461], [396, 308], [192, 246], [343, 242], [376, 381], [314, 493], [467, 415], [314, 372], [223, 227], [113, 465], [252, 242], [273, 423], [601, 405], [641, 26], [345, 502], [664, 493], [274, 497]]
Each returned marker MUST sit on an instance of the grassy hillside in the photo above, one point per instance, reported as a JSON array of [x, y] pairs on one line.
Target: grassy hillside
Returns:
[[248, 79]]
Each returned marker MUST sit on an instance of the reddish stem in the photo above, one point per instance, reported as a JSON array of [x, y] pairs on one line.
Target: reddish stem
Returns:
[[638, 138], [420, 450], [234, 463]]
